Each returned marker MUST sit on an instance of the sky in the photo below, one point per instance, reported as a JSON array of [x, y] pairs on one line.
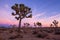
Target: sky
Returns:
[[44, 11]]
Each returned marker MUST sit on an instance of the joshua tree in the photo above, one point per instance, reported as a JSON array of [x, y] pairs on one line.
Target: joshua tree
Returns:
[[51, 25], [55, 23], [34, 24], [26, 24], [22, 11], [39, 24]]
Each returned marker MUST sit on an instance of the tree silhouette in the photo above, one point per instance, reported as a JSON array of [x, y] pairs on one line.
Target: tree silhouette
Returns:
[[51, 25], [39, 24], [55, 23], [22, 11], [26, 24], [34, 24]]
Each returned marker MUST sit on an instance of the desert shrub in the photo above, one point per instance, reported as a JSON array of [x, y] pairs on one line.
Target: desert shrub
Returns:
[[10, 31], [49, 31], [34, 32], [16, 30], [12, 38], [1, 38], [1, 31], [57, 31], [41, 30], [18, 36], [41, 35]]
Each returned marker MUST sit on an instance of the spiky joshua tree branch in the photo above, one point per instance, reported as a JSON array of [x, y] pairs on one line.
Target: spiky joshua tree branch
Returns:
[[55, 23]]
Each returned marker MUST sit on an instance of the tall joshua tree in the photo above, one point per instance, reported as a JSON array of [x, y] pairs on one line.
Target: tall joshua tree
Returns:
[[55, 23], [22, 11]]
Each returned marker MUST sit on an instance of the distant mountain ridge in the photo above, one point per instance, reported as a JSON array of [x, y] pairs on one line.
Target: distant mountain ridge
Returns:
[[5, 25]]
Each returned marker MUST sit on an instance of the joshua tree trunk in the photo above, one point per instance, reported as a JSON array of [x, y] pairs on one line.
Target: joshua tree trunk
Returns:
[[19, 25]]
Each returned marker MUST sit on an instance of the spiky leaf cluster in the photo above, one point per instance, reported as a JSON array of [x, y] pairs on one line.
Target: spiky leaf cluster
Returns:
[[22, 11]]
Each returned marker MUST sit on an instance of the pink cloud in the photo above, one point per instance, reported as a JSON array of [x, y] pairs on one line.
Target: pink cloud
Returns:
[[7, 21]]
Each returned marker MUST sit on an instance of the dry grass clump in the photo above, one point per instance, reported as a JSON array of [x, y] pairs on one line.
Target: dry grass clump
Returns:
[[30, 34], [57, 32], [48, 31], [42, 35], [34, 32]]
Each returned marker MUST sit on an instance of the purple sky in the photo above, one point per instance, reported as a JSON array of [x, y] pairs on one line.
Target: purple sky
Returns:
[[44, 11]]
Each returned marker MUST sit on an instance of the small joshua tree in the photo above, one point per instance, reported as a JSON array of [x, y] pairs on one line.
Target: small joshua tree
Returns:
[[22, 11], [34, 24], [26, 24], [39, 24], [51, 25], [55, 23]]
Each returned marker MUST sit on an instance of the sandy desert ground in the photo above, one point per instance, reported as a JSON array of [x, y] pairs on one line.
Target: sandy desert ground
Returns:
[[44, 33]]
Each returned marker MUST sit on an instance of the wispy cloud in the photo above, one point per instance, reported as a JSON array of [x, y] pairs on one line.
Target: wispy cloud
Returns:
[[38, 15], [6, 17], [6, 6], [46, 21], [33, 19]]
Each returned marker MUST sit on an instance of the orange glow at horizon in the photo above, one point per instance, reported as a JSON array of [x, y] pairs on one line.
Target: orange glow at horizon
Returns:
[[44, 23]]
